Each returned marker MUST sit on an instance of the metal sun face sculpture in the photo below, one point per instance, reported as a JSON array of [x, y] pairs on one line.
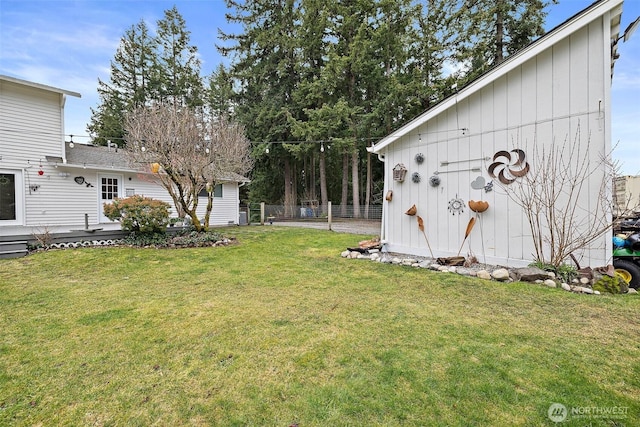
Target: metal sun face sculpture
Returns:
[[507, 166], [456, 206]]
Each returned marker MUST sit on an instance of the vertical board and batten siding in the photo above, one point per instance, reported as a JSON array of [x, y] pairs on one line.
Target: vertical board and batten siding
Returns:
[[553, 97]]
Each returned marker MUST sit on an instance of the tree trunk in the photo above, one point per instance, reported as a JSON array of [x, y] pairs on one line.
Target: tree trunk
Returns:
[[324, 197], [207, 215], [289, 199], [355, 182], [294, 187], [345, 185], [367, 198], [498, 58]]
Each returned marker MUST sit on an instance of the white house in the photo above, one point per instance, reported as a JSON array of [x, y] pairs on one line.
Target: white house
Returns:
[[486, 137], [46, 181]]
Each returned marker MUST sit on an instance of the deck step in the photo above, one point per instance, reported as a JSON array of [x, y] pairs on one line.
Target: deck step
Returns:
[[13, 249]]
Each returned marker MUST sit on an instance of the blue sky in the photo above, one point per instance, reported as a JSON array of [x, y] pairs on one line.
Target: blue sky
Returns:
[[69, 44]]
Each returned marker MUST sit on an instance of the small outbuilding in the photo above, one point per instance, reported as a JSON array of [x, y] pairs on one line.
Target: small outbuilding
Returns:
[[545, 108]]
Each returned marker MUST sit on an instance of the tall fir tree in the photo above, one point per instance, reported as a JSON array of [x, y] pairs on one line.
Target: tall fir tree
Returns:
[[491, 30], [220, 93], [128, 85], [164, 68], [176, 71], [265, 68]]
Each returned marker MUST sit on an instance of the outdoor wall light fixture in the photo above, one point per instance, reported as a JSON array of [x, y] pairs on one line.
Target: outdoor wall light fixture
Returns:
[[71, 144]]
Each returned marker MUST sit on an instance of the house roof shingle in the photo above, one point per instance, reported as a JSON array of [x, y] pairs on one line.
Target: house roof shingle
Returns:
[[97, 157], [109, 158]]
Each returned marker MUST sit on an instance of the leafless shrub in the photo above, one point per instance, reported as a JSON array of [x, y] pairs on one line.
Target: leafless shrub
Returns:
[[565, 213]]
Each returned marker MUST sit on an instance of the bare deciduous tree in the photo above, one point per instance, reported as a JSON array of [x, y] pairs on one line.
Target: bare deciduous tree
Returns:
[[193, 152], [565, 213]]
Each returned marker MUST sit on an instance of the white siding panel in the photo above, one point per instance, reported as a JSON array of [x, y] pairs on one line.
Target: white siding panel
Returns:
[[225, 209], [544, 86], [539, 104], [561, 89], [59, 200], [32, 122]]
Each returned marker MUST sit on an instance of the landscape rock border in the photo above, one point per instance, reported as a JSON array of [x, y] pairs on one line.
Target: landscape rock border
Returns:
[[482, 271]]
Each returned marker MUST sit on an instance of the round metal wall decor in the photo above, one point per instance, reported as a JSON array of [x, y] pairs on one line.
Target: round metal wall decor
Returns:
[[434, 181], [419, 158], [508, 166], [415, 177], [456, 206]]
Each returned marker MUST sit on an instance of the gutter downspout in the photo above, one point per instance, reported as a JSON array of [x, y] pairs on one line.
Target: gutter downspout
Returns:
[[63, 101], [385, 203]]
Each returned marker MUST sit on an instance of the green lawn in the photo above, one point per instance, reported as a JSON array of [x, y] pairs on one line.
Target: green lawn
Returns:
[[279, 330]]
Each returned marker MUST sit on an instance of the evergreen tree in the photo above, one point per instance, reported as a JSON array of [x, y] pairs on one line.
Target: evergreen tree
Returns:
[[221, 93], [265, 69], [491, 30], [164, 68], [128, 85], [176, 71]]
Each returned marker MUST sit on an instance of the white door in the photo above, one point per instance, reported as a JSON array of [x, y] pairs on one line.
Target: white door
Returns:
[[109, 187], [11, 197]]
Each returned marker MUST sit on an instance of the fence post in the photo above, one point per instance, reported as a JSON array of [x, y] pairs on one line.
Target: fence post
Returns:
[[261, 213], [329, 214]]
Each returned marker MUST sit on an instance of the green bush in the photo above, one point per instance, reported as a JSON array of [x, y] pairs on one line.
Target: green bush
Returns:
[[564, 272], [196, 239], [138, 214], [146, 239], [612, 285]]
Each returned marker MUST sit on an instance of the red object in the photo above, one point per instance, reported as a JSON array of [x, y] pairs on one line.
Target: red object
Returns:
[[40, 172]]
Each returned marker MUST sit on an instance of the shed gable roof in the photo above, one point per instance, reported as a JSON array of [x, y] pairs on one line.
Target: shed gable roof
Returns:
[[562, 31]]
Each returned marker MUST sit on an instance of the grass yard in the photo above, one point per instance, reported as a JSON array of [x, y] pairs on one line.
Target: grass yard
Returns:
[[279, 330]]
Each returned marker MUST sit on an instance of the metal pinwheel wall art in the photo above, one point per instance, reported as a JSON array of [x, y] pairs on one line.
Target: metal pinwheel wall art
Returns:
[[507, 166]]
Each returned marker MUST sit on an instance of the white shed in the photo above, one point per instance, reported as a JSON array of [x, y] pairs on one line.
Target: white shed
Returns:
[[485, 138]]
